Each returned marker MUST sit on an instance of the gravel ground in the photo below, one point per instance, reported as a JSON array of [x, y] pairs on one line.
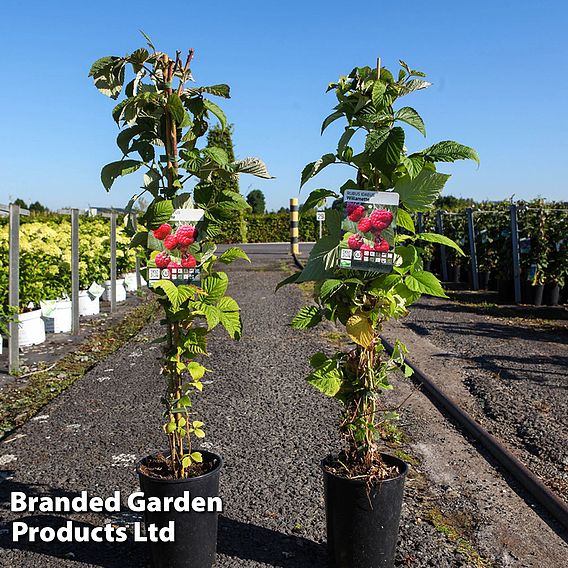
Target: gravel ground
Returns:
[[270, 426], [517, 374]]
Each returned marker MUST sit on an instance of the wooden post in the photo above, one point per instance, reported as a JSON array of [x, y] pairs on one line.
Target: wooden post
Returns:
[[75, 271], [443, 262], [472, 250], [515, 253], [113, 262], [294, 230], [138, 275], [14, 289]]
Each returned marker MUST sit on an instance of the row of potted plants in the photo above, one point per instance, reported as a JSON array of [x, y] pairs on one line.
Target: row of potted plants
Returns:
[[162, 118]]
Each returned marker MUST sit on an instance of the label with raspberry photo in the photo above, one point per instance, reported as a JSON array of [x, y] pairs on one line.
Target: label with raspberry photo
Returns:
[[176, 245], [368, 230]]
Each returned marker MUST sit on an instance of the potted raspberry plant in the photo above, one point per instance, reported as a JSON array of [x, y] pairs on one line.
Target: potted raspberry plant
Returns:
[[363, 484], [162, 117]]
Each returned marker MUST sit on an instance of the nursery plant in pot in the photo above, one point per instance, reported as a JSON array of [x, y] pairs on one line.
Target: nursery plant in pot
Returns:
[[162, 120], [363, 485]]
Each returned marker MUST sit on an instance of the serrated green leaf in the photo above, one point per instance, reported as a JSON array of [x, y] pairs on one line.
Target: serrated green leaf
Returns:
[[327, 378], [316, 197], [158, 213], [308, 316], [440, 239], [331, 118], [379, 89], [314, 168], [218, 155], [449, 151], [404, 220], [425, 283], [216, 110], [232, 254], [215, 285], [410, 116], [329, 287], [253, 166], [196, 370], [231, 317], [419, 194], [114, 170]]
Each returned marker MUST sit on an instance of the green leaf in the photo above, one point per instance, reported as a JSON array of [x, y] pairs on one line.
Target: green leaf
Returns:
[[194, 341], [413, 85], [449, 151], [327, 378], [231, 316], [388, 149], [196, 370], [308, 316], [331, 118], [232, 254], [410, 116], [175, 106], [196, 457], [425, 283], [413, 165], [125, 136], [216, 110], [218, 155], [440, 239], [379, 89], [323, 257], [158, 213], [329, 287], [111, 171], [404, 220], [101, 64], [288, 280], [419, 194], [254, 166], [344, 140], [316, 197], [177, 295], [315, 167], [318, 359], [215, 285], [212, 314], [148, 40]]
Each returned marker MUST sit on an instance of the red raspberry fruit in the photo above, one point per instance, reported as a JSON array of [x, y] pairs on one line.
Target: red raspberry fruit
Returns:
[[382, 246], [186, 235], [366, 248], [188, 261], [364, 225], [171, 242], [162, 259], [162, 231], [381, 219], [350, 207], [354, 242], [173, 264], [357, 214]]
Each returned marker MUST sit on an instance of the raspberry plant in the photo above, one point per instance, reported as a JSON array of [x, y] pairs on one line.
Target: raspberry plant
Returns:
[[162, 118], [364, 301]]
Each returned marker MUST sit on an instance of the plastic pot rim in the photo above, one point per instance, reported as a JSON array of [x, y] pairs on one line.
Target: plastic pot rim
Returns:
[[215, 457], [402, 465]]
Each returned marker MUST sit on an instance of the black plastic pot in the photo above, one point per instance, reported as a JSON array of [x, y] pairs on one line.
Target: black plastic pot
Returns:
[[484, 277], [506, 290], [455, 271], [533, 294], [195, 542], [362, 525], [551, 294]]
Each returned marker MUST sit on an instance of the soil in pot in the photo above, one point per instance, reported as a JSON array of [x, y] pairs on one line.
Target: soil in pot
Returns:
[[363, 518], [195, 532]]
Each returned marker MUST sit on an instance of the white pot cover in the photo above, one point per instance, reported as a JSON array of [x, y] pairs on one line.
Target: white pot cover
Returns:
[[120, 290], [58, 318], [88, 305], [31, 329]]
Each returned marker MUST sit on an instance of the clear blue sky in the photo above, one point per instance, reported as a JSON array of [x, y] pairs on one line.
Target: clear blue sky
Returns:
[[498, 68]]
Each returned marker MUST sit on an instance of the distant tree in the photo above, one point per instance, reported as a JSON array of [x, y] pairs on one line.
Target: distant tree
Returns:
[[256, 200], [37, 207], [223, 138], [21, 203], [451, 203], [283, 210]]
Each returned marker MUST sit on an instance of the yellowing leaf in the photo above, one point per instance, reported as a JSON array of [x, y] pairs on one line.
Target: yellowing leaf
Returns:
[[360, 329]]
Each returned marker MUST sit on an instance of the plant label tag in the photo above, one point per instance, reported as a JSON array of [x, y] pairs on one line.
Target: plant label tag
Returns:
[[177, 275], [368, 230], [187, 215]]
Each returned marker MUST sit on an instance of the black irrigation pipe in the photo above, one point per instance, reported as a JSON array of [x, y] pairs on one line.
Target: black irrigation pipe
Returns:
[[532, 484], [540, 493]]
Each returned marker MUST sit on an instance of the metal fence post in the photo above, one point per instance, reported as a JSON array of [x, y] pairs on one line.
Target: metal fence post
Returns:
[[443, 262], [14, 289], [472, 250], [294, 230], [134, 218], [515, 252], [419, 222], [75, 271], [113, 262]]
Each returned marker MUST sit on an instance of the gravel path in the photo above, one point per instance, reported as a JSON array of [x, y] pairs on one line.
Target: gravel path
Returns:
[[518, 375], [271, 428]]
